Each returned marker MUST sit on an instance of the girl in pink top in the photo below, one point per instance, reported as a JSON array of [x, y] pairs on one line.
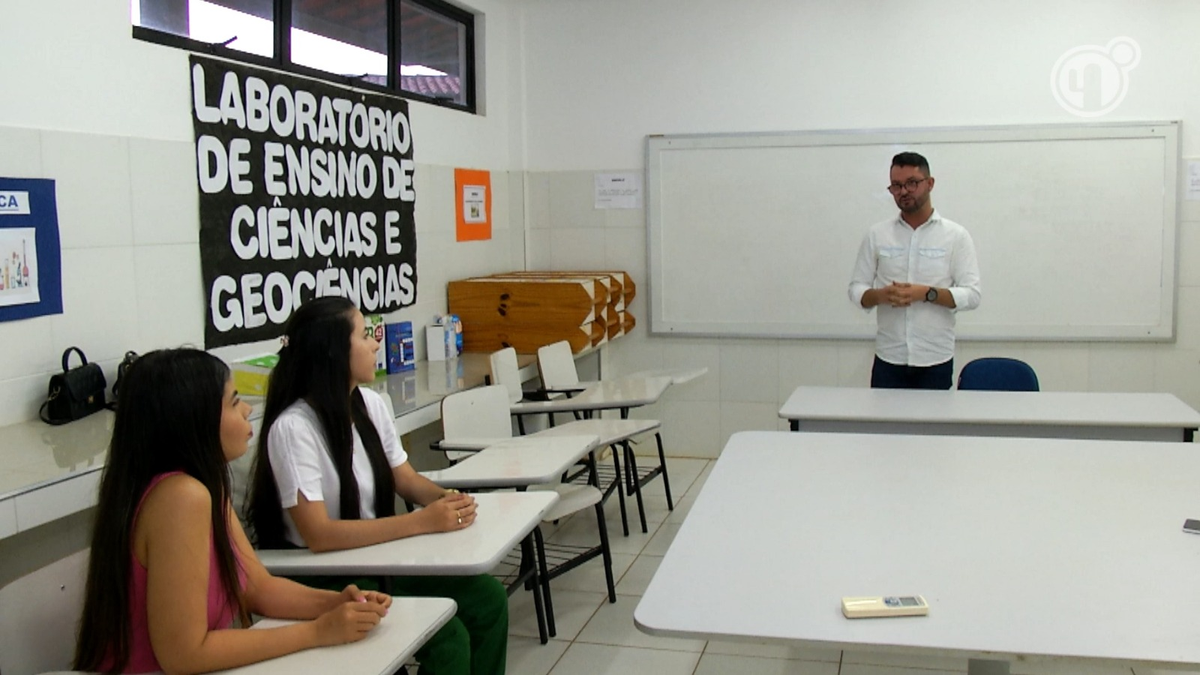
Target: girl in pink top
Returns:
[[172, 576]]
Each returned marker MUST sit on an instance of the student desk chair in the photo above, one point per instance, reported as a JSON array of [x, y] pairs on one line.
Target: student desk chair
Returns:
[[617, 434]]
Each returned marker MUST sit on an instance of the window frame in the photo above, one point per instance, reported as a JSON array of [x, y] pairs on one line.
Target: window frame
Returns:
[[282, 26]]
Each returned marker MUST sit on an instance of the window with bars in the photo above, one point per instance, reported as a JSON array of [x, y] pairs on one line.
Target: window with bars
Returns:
[[420, 49]]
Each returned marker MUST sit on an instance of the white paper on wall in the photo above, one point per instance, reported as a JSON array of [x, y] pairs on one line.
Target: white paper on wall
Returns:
[[18, 267], [1193, 180], [474, 200], [618, 191]]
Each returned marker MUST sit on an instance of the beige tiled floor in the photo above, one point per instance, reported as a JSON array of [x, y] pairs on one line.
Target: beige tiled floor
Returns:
[[598, 638]]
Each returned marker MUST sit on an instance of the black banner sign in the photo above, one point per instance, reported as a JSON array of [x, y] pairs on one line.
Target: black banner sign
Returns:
[[306, 190]]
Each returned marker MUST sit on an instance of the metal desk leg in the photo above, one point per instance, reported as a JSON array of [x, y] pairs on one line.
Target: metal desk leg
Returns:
[[544, 573], [662, 462], [795, 425], [633, 483], [529, 566], [617, 484]]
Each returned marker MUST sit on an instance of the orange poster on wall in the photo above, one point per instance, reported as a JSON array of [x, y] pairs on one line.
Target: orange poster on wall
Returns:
[[473, 208]]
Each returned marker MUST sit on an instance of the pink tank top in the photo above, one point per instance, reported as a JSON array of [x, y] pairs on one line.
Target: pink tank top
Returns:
[[221, 612]]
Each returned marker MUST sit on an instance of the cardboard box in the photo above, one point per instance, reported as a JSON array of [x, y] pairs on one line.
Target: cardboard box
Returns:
[[443, 339], [401, 352], [374, 323], [250, 376]]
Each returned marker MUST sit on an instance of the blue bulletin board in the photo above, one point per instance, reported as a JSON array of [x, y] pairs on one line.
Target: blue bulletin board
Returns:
[[30, 257]]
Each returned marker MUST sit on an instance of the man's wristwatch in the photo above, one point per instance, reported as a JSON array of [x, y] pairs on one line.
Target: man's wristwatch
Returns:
[[931, 295]]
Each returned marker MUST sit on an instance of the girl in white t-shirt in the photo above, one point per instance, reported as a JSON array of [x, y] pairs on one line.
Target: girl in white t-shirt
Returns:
[[330, 465]]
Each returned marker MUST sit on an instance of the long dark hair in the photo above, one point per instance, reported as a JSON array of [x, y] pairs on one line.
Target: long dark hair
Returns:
[[169, 420], [314, 365]]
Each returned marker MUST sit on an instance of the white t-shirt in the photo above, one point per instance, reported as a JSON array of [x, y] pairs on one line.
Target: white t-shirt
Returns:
[[301, 463]]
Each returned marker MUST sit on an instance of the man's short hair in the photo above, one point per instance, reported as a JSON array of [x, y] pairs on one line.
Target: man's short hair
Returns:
[[912, 159]]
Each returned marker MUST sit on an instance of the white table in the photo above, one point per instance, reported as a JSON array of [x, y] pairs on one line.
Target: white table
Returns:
[[1038, 549], [1044, 414], [516, 462], [409, 624]]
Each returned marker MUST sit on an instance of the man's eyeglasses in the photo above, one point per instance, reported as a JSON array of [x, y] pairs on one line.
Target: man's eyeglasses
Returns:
[[911, 184]]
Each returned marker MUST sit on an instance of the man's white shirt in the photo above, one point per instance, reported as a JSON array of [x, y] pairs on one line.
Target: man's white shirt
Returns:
[[938, 253]]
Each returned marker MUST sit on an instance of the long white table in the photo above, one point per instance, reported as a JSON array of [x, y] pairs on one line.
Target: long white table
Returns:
[[409, 624], [1044, 414], [1024, 549]]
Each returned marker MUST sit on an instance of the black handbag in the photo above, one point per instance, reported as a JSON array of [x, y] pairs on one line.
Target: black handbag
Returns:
[[75, 392], [122, 369]]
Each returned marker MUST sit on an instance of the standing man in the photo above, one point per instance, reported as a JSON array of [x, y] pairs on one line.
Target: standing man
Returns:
[[918, 269]]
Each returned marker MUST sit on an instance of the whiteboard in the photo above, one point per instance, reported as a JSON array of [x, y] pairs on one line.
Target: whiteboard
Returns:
[[755, 235]]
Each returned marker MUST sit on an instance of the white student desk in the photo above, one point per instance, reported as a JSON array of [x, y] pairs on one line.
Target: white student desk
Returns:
[[676, 375], [522, 462], [616, 394], [409, 624], [1024, 548], [503, 520], [1037, 414], [516, 462]]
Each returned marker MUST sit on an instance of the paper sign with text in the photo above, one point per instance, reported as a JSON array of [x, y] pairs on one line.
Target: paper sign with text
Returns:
[[306, 190], [473, 210]]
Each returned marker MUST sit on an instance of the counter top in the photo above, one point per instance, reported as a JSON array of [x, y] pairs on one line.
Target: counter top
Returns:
[[42, 464]]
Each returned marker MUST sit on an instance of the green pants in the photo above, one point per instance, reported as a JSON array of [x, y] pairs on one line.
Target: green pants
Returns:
[[473, 642]]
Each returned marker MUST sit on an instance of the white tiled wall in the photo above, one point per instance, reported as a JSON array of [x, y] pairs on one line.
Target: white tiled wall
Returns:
[[748, 380], [132, 281], [129, 224]]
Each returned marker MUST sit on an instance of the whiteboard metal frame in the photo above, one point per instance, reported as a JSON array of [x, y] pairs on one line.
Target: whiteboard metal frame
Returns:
[[1169, 131]]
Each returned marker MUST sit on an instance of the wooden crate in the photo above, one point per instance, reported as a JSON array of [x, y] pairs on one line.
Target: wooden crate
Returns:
[[527, 339], [556, 302], [620, 282], [528, 310]]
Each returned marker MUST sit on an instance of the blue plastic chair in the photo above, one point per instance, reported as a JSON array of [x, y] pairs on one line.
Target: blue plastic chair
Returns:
[[998, 374]]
